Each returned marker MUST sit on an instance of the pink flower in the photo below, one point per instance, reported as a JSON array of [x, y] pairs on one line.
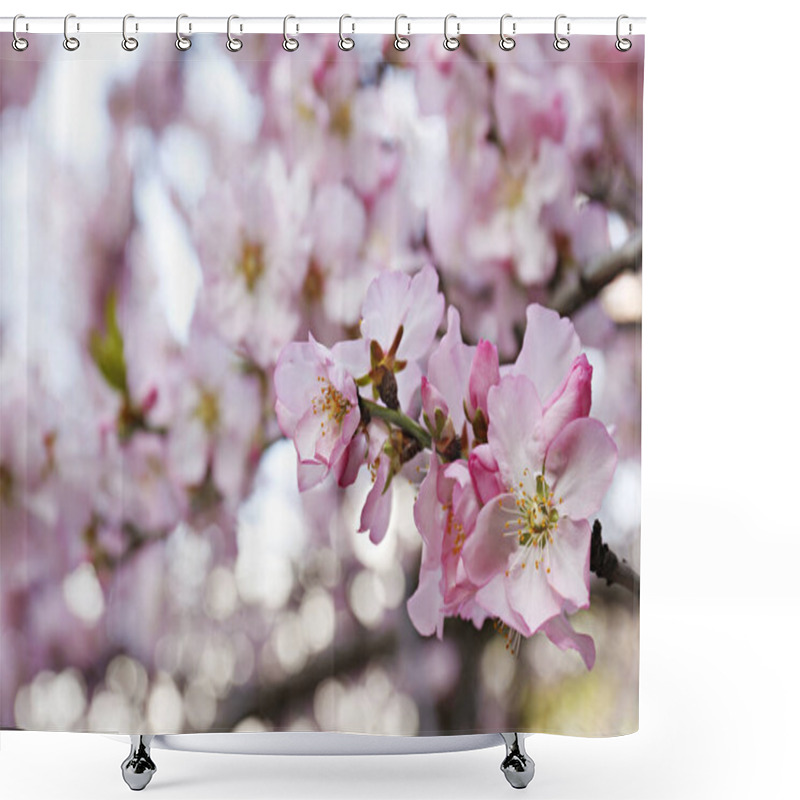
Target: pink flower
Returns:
[[395, 299], [445, 514], [529, 552], [377, 508], [317, 406], [400, 316]]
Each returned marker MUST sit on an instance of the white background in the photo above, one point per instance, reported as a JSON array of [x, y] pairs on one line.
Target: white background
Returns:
[[720, 700]]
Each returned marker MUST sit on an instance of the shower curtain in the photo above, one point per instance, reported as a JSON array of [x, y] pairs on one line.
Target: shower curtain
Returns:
[[320, 385]]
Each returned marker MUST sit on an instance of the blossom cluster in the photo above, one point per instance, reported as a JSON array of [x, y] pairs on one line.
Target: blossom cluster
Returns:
[[513, 464]]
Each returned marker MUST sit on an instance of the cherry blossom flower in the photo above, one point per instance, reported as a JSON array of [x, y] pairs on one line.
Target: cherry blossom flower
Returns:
[[396, 300], [530, 548], [317, 406], [251, 279], [399, 318], [445, 514]]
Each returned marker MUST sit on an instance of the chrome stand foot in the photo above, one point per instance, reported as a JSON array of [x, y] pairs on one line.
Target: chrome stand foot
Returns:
[[138, 768], [517, 766]]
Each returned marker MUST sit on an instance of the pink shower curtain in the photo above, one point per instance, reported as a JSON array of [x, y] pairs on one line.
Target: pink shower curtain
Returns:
[[320, 385]]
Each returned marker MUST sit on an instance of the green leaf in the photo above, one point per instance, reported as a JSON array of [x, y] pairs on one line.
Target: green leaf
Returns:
[[108, 351]]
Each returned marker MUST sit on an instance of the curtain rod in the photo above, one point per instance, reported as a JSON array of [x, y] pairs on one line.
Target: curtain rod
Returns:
[[597, 26]]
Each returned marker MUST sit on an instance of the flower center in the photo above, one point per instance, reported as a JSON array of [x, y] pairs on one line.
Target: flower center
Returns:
[[513, 191], [251, 264], [341, 121], [207, 410], [534, 519], [331, 404]]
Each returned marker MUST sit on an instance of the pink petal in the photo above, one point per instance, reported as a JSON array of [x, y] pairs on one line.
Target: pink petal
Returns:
[[484, 373], [560, 632], [449, 367], [515, 416], [493, 598], [572, 400], [378, 505], [393, 299], [466, 506], [484, 472], [488, 549], [306, 435], [425, 310], [471, 611], [431, 400], [408, 383], [567, 556], [352, 355], [429, 517], [579, 467], [295, 383], [549, 346], [530, 596], [385, 304], [310, 474], [349, 464], [425, 605]]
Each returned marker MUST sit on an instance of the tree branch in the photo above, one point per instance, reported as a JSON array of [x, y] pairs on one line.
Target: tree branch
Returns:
[[275, 700], [578, 289], [605, 564]]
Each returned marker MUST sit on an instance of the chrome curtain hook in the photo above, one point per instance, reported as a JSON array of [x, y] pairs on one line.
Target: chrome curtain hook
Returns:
[[451, 42], [623, 45], [233, 44], [18, 43], [346, 42], [561, 43], [181, 42], [507, 42], [129, 43], [71, 43], [290, 44], [401, 42]]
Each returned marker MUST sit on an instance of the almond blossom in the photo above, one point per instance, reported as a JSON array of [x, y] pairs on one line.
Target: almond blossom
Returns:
[[530, 548], [399, 318], [445, 514], [462, 378], [317, 406]]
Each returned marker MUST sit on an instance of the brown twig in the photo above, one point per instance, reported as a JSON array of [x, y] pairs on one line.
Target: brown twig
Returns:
[[605, 564], [579, 288]]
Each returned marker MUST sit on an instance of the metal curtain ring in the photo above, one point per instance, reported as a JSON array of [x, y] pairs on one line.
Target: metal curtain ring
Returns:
[[290, 44], [233, 44], [623, 45], [451, 42], [401, 42], [18, 43], [71, 43], [345, 42], [507, 42], [181, 42], [561, 43], [129, 43]]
